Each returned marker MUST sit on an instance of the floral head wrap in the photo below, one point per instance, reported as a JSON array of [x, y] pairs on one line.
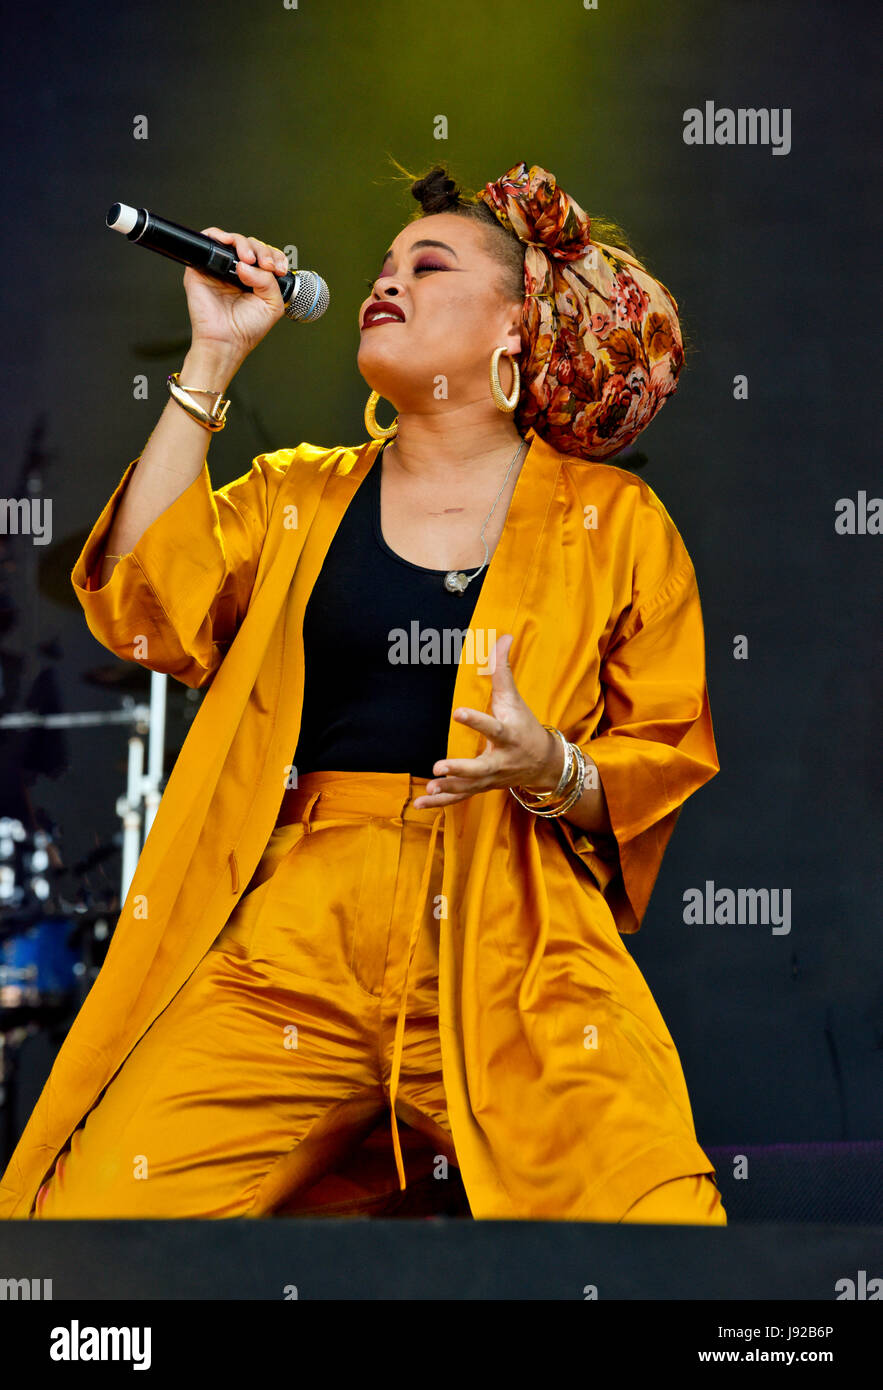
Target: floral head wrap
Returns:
[[602, 346]]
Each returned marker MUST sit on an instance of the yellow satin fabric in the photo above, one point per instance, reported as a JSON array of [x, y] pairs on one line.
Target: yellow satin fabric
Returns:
[[692, 1201], [314, 1012]]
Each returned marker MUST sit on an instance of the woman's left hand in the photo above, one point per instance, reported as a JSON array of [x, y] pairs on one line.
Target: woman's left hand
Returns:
[[518, 751]]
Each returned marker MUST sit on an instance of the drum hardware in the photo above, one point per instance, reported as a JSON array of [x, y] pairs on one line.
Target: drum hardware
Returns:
[[52, 946], [49, 945], [138, 806]]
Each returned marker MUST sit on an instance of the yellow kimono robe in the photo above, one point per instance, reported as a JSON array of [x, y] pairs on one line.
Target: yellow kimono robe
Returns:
[[566, 1096]]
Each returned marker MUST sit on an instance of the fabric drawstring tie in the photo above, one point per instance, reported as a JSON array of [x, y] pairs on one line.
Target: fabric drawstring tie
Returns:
[[398, 1043]]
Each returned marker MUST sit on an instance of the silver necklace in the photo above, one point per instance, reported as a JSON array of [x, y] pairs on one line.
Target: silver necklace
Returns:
[[456, 580]]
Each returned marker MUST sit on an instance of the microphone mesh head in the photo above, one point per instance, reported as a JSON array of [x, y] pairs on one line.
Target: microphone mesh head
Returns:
[[310, 299]]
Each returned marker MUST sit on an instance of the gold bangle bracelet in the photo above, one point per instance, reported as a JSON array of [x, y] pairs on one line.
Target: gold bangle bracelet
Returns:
[[570, 799], [570, 793], [213, 421], [203, 390]]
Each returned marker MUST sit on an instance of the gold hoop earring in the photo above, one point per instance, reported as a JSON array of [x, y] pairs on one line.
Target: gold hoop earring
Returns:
[[505, 403], [371, 424]]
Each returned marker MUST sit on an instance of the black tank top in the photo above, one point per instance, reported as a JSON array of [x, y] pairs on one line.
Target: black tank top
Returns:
[[370, 703]]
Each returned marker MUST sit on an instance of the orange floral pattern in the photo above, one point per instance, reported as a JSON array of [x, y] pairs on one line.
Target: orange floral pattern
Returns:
[[601, 342]]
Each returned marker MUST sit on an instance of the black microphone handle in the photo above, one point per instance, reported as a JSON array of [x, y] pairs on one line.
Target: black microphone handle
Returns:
[[187, 247]]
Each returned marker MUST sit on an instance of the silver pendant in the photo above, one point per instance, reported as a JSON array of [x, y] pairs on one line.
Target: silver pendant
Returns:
[[455, 582]]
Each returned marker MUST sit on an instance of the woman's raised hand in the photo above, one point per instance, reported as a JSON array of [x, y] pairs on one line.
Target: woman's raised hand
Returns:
[[222, 316], [518, 750]]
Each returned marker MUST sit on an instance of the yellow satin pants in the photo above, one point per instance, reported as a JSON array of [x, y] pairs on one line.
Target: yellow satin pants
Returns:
[[275, 1080]]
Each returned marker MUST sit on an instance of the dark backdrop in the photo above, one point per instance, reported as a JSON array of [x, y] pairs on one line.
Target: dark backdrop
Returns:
[[277, 122]]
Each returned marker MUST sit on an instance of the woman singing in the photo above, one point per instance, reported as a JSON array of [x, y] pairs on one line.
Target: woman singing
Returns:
[[455, 700]]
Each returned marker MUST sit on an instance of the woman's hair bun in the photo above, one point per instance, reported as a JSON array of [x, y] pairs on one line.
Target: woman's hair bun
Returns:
[[436, 192]]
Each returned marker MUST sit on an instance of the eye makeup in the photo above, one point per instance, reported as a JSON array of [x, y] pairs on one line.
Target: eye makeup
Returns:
[[423, 265]]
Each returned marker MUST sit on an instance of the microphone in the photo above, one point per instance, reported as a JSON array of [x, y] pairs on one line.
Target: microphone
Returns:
[[304, 293]]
